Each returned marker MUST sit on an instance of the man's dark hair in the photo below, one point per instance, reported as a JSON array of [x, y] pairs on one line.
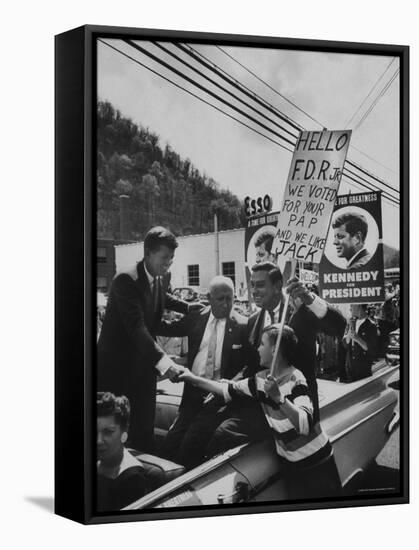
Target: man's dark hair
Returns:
[[159, 236], [289, 343], [107, 404], [354, 223], [267, 239], [274, 273]]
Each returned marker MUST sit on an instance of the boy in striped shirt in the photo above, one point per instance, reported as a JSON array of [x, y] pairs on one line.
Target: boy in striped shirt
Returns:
[[288, 409]]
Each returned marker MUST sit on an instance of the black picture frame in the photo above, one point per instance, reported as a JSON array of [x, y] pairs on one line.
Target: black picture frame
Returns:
[[75, 275]]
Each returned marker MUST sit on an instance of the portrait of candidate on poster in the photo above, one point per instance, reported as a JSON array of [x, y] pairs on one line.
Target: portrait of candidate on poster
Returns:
[[352, 267], [246, 319]]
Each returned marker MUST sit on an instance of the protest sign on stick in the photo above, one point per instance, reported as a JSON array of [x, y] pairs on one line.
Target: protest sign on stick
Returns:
[[309, 199], [310, 194]]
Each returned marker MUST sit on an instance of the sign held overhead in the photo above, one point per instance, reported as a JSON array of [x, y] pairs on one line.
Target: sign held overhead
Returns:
[[310, 194]]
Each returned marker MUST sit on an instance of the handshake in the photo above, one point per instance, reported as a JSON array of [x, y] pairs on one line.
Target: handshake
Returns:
[[176, 369]]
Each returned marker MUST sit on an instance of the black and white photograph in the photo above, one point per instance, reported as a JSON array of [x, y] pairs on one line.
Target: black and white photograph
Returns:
[[249, 278]]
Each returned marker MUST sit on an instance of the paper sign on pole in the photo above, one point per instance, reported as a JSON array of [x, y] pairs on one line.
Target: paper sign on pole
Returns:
[[310, 194]]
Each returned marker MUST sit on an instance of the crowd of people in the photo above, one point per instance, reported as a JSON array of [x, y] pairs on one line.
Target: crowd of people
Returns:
[[365, 340], [237, 386]]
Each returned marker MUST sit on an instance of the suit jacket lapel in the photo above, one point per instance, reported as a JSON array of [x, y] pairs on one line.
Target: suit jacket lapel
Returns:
[[256, 332], [144, 289]]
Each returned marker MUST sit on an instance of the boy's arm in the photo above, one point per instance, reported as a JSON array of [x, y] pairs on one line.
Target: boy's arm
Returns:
[[224, 388], [298, 409], [212, 386]]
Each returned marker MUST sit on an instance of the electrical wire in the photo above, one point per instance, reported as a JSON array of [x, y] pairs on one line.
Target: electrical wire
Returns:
[[368, 95], [270, 87], [352, 146], [191, 81], [358, 167], [312, 118], [377, 99], [362, 189], [194, 95], [374, 188], [210, 65], [191, 67], [366, 181], [364, 171]]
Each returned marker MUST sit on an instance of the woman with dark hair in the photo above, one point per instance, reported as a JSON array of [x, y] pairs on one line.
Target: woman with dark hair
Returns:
[[121, 478]]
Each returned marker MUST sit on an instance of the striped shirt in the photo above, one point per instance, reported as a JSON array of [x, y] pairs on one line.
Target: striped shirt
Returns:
[[295, 445]]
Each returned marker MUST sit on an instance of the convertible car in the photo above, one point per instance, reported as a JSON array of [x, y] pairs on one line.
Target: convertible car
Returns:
[[359, 418]]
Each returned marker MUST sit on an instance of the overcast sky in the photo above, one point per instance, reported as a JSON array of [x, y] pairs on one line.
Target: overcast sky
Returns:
[[328, 87]]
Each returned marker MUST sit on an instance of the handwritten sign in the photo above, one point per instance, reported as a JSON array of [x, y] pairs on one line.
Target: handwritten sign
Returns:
[[310, 194]]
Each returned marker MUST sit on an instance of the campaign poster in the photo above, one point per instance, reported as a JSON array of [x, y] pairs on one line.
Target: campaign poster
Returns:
[[310, 194], [352, 267], [258, 241], [308, 277]]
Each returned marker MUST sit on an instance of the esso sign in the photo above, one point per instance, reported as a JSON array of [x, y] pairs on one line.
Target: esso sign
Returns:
[[261, 205]]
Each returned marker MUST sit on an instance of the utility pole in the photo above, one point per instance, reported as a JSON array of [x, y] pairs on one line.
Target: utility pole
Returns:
[[123, 217], [217, 245]]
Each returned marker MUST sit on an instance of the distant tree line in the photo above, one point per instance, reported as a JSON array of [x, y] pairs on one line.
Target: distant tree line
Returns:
[[162, 187]]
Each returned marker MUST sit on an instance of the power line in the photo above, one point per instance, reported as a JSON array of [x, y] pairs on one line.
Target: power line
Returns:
[[366, 181], [191, 67], [372, 189], [194, 95], [369, 93], [318, 122], [364, 171], [200, 58], [386, 185], [373, 159], [362, 189], [375, 188], [383, 92], [191, 81], [269, 86]]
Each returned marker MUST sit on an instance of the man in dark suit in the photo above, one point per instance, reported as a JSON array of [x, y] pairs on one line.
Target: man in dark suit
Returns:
[[218, 348], [310, 316], [360, 341], [129, 357]]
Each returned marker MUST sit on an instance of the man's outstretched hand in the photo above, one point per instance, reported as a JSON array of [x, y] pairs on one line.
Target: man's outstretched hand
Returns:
[[297, 289], [173, 372], [195, 306]]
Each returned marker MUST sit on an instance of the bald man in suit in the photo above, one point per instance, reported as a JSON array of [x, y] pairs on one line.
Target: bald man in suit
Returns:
[[219, 348]]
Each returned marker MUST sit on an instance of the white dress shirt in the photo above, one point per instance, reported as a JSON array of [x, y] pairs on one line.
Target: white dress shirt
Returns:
[[200, 361], [268, 321], [318, 307]]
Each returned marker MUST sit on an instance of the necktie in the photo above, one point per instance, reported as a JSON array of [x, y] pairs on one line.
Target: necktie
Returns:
[[212, 348], [156, 294], [272, 316]]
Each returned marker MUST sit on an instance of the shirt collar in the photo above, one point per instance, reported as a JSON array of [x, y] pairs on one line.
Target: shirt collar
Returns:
[[278, 307], [128, 461], [212, 319], [150, 278]]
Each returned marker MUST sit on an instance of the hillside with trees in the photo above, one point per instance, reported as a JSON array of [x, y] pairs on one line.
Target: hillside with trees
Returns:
[[162, 188]]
